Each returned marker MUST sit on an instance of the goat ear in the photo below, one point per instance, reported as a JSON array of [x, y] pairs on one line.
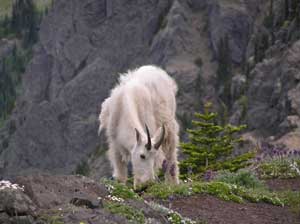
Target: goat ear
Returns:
[[159, 137], [138, 136]]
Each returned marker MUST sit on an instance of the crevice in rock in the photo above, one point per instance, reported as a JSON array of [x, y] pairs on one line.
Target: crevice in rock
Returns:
[[13, 213], [92, 204], [80, 67], [162, 20]]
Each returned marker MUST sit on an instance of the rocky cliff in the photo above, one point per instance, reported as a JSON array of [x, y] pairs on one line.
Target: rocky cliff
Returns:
[[84, 45]]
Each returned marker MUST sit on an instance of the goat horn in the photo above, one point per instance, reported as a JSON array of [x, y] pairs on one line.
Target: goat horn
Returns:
[[148, 145], [137, 134], [160, 141]]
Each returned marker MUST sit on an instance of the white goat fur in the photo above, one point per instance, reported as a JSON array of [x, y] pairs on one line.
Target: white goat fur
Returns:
[[143, 96]]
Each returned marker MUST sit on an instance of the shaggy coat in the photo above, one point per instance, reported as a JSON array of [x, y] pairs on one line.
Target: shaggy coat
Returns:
[[145, 96]]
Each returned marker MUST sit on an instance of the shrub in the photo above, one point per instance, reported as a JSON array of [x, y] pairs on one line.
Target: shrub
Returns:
[[198, 61], [211, 146], [83, 168], [243, 178]]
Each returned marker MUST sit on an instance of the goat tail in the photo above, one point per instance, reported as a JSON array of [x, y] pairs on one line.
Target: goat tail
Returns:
[[103, 117]]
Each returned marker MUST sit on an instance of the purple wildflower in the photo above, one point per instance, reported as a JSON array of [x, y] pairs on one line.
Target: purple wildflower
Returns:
[[164, 166], [258, 158], [284, 153], [295, 153], [172, 170], [208, 175]]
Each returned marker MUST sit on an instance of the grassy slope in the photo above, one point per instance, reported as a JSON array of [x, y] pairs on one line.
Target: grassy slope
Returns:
[[5, 6]]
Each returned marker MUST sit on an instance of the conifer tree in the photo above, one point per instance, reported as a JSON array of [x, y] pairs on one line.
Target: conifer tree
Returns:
[[7, 91], [261, 44], [287, 9], [211, 146], [24, 21]]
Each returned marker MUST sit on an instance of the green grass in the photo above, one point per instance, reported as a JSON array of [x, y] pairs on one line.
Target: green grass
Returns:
[[119, 190], [240, 188], [5, 7], [222, 190], [225, 191], [126, 211], [42, 4], [118, 206], [292, 199], [55, 219]]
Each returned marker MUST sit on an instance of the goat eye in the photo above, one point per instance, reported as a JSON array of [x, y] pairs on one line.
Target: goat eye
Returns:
[[143, 156]]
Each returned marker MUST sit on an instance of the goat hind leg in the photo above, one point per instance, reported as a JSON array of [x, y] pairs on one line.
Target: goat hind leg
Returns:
[[172, 173]]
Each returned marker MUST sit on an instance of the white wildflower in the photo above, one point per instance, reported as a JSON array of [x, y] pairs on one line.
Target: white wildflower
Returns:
[[7, 184], [110, 188], [114, 198], [294, 166], [169, 212]]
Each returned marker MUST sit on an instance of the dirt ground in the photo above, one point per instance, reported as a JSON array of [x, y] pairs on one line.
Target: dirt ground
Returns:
[[284, 184], [212, 210]]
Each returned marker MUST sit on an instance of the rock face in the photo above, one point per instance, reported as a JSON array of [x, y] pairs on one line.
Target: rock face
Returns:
[[234, 21], [274, 96], [83, 47]]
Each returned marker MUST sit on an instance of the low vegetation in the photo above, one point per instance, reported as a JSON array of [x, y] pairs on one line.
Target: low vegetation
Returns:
[[291, 199], [83, 168], [119, 190], [279, 168], [222, 190], [242, 178], [172, 216], [126, 211], [116, 204]]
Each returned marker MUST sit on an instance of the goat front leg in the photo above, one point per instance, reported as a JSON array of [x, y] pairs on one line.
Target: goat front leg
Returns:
[[119, 166]]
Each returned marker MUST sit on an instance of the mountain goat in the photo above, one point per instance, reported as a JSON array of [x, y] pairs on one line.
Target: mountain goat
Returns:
[[140, 125]]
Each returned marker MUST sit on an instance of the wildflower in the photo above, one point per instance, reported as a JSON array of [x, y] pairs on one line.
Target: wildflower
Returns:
[[164, 166], [294, 166], [208, 175], [295, 153], [190, 171], [172, 170], [7, 184], [114, 198], [258, 158]]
